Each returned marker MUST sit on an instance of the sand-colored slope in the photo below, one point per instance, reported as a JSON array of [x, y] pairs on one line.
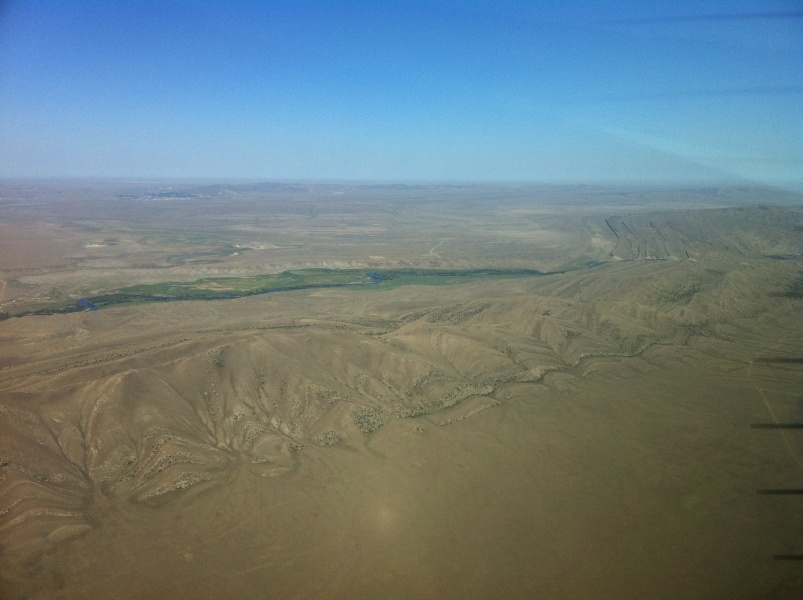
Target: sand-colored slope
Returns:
[[679, 235], [588, 434]]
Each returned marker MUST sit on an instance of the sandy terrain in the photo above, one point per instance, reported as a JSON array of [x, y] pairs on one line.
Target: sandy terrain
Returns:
[[599, 433]]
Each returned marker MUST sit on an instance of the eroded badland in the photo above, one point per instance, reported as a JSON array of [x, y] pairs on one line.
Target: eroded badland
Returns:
[[600, 432]]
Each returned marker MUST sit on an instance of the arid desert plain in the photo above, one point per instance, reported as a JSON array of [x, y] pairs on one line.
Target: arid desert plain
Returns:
[[399, 391]]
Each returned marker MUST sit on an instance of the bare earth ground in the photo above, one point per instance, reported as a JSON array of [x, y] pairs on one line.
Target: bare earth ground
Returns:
[[589, 434]]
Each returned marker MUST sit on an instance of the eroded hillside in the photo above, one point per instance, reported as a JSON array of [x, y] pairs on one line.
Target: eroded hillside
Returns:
[[137, 410]]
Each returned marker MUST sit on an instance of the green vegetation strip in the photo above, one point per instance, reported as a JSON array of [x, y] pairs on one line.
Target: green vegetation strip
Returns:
[[218, 288]]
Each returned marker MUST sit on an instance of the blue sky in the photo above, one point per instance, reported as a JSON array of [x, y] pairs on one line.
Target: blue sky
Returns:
[[596, 92]]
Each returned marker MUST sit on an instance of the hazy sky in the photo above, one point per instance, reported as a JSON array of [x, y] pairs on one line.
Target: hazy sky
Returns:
[[476, 91]]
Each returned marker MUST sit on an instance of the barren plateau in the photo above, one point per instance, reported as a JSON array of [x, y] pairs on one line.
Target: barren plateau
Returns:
[[626, 424]]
